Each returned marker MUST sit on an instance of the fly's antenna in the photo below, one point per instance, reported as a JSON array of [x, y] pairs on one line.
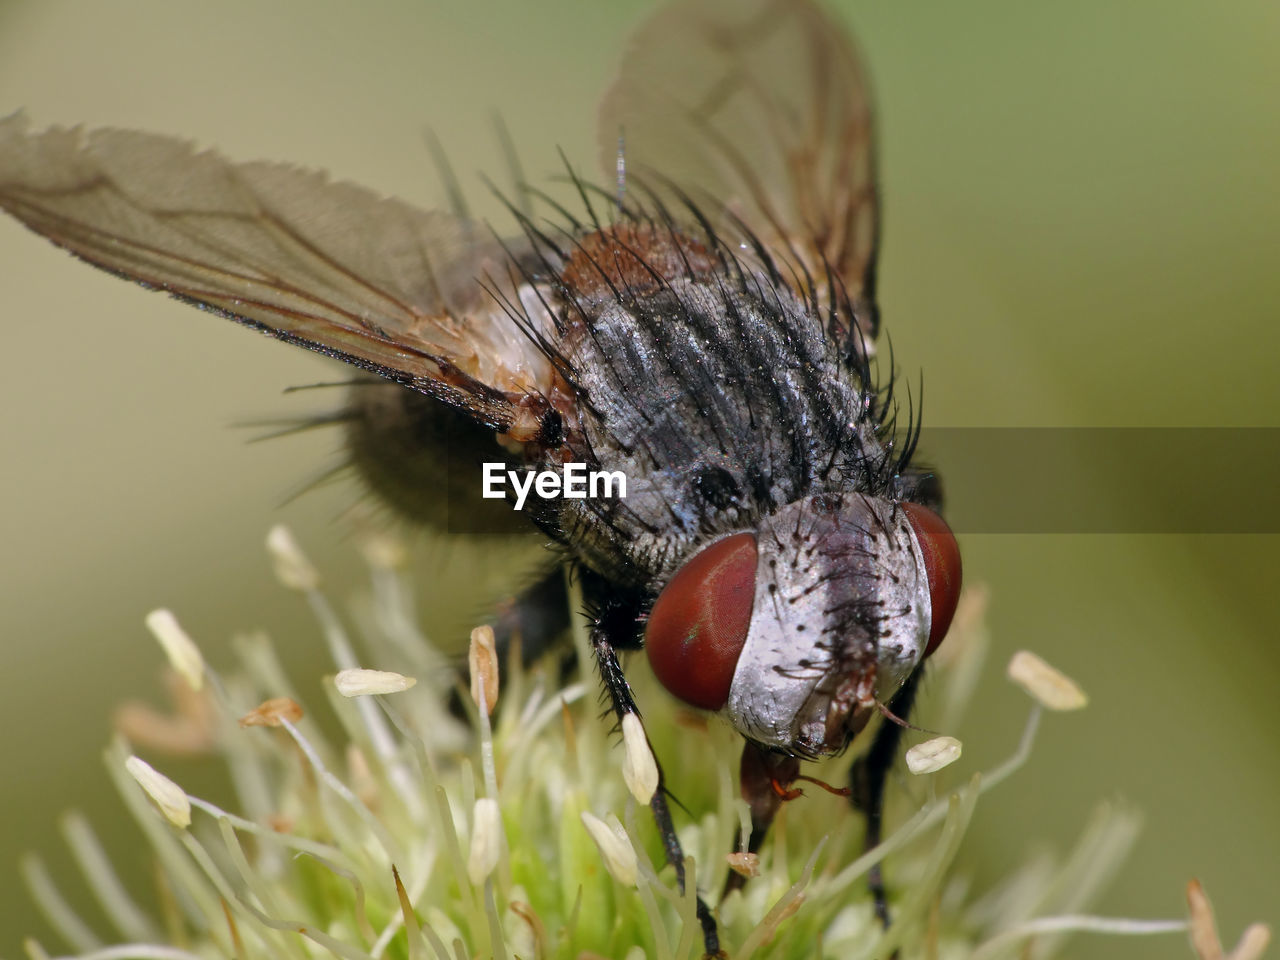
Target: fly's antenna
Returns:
[[621, 169]]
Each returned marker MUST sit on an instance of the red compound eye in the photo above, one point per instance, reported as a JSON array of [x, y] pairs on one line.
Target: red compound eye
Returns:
[[699, 624], [941, 563]]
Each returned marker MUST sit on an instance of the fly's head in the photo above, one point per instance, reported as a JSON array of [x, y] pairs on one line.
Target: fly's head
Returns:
[[797, 629]]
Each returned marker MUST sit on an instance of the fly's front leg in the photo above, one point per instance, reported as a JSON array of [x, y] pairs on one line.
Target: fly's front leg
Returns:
[[867, 779], [614, 628]]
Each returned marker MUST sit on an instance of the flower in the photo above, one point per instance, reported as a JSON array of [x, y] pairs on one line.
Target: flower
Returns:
[[508, 825]]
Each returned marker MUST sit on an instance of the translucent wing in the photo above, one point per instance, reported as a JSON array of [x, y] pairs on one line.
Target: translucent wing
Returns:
[[760, 106], [330, 266]]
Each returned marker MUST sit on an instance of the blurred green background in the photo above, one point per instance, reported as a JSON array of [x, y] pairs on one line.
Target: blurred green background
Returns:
[[1083, 227]]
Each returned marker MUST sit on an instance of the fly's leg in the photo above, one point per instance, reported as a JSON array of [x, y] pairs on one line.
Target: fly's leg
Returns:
[[867, 780], [614, 627]]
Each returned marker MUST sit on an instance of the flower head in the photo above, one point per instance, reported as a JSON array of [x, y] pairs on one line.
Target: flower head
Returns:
[[514, 824]]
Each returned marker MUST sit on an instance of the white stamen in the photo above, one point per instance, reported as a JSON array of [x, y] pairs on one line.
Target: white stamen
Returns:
[[384, 551], [746, 864], [486, 840], [1054, 689], [292, 567], [1252, 943], [1203, 930], [360, 683], [639, 768], [184, 656], [167, 795], [614, 846], [933, 754], [273, 713], [482, 658]]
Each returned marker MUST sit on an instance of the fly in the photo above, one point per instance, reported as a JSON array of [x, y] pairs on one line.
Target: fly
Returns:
[[704, 331]]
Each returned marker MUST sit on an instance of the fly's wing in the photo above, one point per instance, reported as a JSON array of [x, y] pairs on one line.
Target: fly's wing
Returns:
[[330, 266], [759, 108]]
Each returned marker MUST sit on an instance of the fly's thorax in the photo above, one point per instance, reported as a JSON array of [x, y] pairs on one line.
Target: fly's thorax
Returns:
[[716, 391], [840, 617]]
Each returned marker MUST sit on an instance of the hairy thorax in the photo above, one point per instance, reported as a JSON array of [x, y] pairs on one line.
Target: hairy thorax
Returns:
[[711, 386]]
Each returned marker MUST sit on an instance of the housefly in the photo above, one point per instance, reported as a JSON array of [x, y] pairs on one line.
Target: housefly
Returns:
[[705, 330]]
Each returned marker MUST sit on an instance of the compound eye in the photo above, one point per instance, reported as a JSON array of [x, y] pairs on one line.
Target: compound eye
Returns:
[[699, 624], [941, 563]]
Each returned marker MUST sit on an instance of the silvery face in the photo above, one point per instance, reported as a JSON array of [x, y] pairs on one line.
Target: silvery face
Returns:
[[840, 619]]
